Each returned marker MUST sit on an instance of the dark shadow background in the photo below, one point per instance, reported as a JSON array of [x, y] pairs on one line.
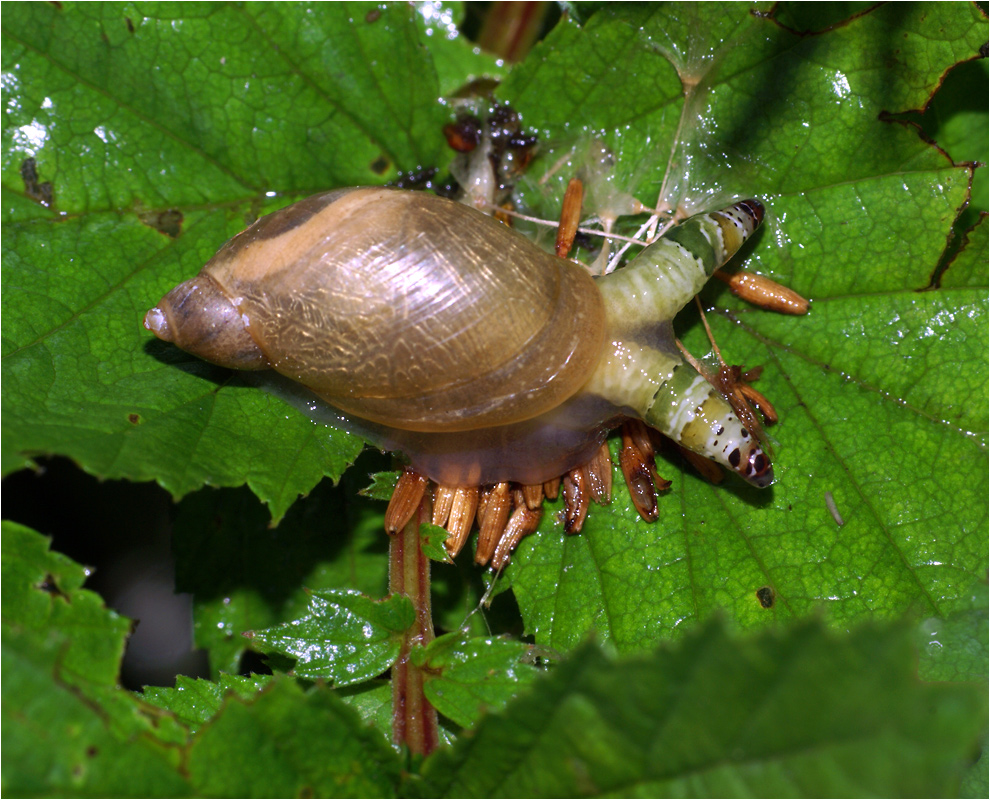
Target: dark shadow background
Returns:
[[121, 531]]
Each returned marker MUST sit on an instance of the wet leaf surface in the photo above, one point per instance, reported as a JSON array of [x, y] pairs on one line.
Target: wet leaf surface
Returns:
[[134, 144]]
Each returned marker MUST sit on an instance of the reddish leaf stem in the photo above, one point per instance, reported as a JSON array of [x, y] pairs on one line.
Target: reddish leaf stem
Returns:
[[414, 720]]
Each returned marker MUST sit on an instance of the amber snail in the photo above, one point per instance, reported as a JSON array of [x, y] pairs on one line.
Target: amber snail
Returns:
[[480, 356]]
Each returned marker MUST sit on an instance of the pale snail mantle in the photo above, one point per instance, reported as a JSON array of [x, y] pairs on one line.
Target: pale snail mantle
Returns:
[[482, 357]]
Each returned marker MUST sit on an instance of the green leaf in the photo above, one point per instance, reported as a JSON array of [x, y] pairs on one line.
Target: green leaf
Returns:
[[195, 702], [457, 60], [816, 17], [382, 485], [795, 714], [287, 743], [432, 538], [373, 702], [975, 782], [469, 676], [67, 728], [346, 638], [44, 603]]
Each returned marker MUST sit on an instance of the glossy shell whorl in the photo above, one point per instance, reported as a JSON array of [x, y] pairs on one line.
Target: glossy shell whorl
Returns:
[[405, 309], [199, 317]]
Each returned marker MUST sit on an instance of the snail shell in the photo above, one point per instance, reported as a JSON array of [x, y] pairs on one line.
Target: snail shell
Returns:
[[369, 297], [479, 355]]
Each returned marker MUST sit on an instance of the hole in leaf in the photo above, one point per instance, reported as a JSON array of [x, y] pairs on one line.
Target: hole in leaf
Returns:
[[50, 585]]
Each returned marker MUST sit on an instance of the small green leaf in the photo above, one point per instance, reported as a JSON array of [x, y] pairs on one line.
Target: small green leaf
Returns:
[[346, 638], [382, 485], [467, 677], [373, 701], [804, 712], [457, 60], [431, 539], [194, 702]]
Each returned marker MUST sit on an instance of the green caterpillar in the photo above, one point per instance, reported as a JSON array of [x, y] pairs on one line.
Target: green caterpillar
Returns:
[[646, 373]]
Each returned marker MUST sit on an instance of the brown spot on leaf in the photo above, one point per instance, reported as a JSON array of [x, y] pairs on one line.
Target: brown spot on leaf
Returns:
[[130, 25], [168, 221], [766, 596], [43, 192], [373, 15], [134, 419], [380, 165]]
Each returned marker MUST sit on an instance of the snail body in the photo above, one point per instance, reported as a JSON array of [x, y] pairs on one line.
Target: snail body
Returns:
[[464, 345]]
